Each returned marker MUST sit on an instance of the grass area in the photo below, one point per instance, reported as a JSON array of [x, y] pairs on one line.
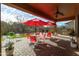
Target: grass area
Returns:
[[2, 39], [17, 36], [22, 35], [12, 37]]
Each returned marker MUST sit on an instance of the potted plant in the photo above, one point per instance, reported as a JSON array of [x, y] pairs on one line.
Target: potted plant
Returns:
[[73, 42], [9, 49]]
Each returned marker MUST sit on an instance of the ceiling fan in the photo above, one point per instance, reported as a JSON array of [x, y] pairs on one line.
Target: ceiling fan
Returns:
[[58, 13]]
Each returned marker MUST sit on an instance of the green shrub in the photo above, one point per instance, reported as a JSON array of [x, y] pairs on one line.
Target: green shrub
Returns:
[[14, 36], [11, 35]]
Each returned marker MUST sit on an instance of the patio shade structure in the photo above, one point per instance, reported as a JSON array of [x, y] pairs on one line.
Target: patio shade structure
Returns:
[[50, 24], [35, 22], [49, 10]]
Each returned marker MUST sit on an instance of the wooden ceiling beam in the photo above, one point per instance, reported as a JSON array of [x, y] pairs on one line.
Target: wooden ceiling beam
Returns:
[[66, 19]]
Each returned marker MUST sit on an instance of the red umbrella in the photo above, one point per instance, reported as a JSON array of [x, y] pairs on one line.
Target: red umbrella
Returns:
[[35, 22], [50, 23]]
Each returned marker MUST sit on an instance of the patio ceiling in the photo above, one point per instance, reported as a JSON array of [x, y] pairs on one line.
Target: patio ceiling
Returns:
[[48, 10]]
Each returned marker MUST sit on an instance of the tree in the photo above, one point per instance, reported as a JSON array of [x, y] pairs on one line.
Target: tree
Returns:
[[4, 27]]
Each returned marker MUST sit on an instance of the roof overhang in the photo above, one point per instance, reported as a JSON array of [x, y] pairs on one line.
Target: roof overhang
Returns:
[[47, 10]]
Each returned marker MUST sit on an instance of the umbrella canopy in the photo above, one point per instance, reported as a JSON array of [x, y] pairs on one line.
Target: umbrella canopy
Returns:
[[50, 23], [35, 22]]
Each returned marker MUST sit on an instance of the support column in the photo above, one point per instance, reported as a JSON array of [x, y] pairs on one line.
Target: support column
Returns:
[[0, 30], [77, 28], [55, 27]]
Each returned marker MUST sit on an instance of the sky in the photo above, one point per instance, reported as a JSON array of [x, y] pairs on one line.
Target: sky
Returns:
[[9, 14], [62, 23]]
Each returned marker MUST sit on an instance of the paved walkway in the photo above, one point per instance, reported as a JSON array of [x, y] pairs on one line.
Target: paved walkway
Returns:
[[50, 48], [22, 48]]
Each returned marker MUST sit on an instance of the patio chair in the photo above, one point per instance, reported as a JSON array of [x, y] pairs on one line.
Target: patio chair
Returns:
[[42, 36], [48, 35], [33, 41]]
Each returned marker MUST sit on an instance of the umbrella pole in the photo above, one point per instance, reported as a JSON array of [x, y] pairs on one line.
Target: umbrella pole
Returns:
[[35, 29]]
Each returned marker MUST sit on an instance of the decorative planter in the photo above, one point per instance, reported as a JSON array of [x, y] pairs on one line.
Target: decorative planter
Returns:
[[9, 51]]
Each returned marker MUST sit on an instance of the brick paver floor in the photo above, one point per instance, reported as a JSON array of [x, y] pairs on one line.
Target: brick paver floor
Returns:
[[49, 48], [22, 48]]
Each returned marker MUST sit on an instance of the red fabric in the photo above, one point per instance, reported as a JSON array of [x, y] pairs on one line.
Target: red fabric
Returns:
[[35, 22], [33, 39], [49, 34]]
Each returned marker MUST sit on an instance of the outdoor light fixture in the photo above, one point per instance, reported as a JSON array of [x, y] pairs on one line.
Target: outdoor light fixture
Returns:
[[58, 12]]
